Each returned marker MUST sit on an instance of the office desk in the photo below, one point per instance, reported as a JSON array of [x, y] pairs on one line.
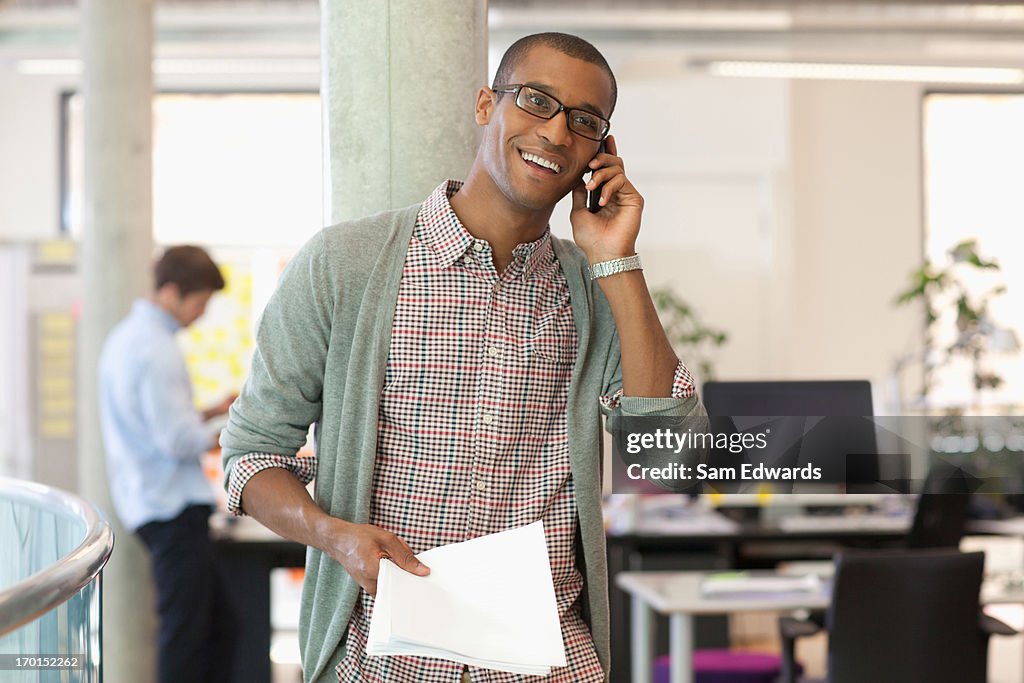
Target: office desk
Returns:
[[678, 595], [1013, 526], [695, 544], [248, 552], [725, 536]]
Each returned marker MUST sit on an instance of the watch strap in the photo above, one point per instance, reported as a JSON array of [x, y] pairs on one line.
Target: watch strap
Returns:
[[615, 266]]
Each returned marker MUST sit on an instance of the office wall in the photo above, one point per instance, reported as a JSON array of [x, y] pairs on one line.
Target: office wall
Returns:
[[711, 157], [857, 227], [29, 129], [797, 218]]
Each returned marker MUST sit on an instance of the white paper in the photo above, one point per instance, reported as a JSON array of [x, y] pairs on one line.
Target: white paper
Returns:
[[488, 602], [760, 584]]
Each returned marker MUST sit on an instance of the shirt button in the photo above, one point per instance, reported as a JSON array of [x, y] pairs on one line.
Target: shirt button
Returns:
[[481, 485], [497, 286], [467, 260], [477, 246], [488, 419], [492, 351]]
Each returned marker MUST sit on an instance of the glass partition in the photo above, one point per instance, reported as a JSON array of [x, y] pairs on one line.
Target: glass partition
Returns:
[[52, 548]]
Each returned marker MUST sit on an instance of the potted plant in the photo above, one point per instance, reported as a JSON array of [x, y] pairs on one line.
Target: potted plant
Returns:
[[690, 337], [948, 299]]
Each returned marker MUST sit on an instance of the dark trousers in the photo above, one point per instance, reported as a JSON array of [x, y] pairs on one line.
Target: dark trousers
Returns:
[[197, 623]]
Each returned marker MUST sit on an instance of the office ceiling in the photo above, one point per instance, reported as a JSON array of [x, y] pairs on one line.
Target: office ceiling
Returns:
[[933, 32]]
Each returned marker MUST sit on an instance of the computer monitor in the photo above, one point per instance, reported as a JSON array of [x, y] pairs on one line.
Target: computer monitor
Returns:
[[846, 450], [850, 398]]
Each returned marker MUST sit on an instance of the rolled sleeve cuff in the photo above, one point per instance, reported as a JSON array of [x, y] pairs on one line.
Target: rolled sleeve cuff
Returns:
[[683, 388], [304, 469]]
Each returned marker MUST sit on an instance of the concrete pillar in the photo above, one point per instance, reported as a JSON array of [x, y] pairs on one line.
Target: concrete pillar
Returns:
[[116, 255], [398, 86]]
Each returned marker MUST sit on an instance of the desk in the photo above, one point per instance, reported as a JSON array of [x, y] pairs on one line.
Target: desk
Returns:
[[1013, 526], [678, 595], [691, 544], [247, 551]]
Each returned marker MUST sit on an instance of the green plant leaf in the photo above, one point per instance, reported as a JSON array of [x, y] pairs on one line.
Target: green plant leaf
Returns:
[[686, 331]]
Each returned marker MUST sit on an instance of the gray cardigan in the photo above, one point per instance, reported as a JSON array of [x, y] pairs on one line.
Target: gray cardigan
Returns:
[[322, 346]]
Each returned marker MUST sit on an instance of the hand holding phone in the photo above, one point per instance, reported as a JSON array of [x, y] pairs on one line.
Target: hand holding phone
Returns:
[[606, 231], [594, 196]]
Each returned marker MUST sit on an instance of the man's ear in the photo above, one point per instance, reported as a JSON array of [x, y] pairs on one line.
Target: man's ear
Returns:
[[169, 292], [486, 100]]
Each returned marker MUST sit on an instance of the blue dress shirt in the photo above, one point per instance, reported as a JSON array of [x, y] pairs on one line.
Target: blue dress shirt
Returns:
[[152, 433]]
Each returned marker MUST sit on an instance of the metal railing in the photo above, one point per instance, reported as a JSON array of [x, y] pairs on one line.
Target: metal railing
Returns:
[[47, 588]]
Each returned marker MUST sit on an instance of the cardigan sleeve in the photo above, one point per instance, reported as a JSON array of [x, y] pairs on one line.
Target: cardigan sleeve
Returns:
[[282, 395], [682, 388]]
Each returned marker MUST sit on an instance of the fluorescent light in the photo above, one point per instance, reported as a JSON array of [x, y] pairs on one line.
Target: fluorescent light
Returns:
[[70, 67], [49, 67], [607, 18], [236, 66], [863, 72]]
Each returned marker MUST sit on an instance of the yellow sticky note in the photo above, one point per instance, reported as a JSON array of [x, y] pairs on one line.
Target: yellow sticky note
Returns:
[[56, 323], [53, 405], [57, 428], [58, 251]]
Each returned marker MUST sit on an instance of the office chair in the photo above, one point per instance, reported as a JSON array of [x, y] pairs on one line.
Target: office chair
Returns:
[[902, 617], [941, 516]]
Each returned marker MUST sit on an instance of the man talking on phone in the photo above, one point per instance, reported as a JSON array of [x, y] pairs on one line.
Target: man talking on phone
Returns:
[[456, 359]]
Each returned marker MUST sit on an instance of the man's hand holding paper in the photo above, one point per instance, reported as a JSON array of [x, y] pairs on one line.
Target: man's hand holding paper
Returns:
[[360, 548], [497, 595]]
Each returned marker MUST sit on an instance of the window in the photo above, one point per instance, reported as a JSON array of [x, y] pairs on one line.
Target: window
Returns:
[[974, 164], [229, 169]]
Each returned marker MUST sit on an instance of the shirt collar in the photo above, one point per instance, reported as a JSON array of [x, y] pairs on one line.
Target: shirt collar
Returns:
[[439, 228], [150, 311], [534, 255]]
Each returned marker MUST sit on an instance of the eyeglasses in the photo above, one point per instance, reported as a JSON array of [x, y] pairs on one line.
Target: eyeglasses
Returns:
[[542, 105]]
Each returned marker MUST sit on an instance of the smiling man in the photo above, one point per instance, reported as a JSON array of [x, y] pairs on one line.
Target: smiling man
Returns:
[[456, 359]]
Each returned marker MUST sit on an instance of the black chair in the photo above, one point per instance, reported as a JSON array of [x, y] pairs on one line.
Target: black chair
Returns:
[[942, 509], [902, 617]]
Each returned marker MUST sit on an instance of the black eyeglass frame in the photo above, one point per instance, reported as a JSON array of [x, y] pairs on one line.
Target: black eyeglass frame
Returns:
[[517, 87]]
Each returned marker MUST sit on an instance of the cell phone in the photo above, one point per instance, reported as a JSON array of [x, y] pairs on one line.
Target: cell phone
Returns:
[[594, 196]]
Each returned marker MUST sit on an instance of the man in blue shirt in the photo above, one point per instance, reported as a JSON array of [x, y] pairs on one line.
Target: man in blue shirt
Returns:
[[154, 439]]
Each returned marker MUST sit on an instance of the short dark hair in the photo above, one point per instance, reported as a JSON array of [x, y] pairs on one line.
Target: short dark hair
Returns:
[[190, 268], [567, 44]]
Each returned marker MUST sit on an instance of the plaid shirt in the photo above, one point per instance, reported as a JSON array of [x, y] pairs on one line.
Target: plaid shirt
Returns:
[[472, 435]]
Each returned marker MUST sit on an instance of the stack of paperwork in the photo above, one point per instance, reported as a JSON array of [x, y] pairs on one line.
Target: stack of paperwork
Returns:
[[488, 602]]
